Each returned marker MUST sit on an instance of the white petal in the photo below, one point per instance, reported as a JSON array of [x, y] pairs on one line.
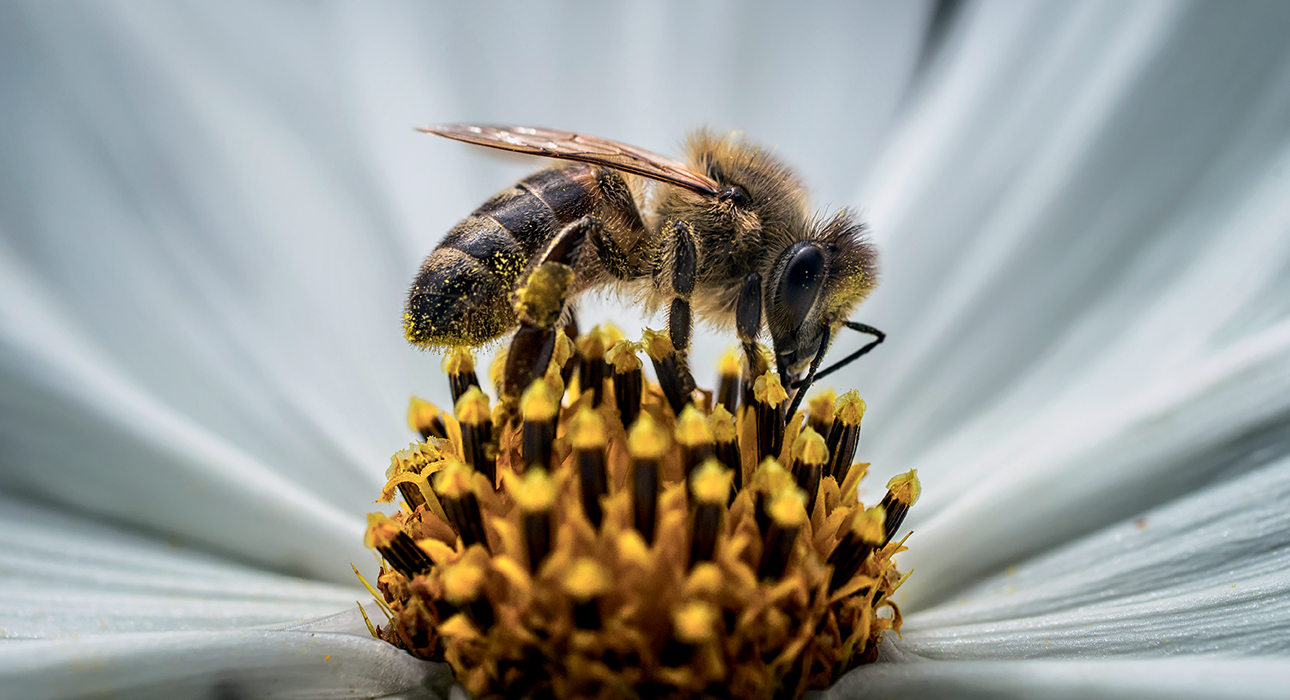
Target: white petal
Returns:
[[1207, 574], [246, 663], [1163, 679], [1085, 283], [64, 577]]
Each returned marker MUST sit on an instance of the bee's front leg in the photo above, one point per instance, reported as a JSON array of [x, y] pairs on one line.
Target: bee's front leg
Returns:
[[673, 367]]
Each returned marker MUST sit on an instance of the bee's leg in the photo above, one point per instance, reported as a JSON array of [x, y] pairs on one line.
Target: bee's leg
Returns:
[[612, 256], [813, 376], [674, 368], [748, 325], [540, 304]]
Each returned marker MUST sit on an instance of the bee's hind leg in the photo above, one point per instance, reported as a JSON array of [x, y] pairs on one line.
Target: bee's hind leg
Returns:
[[673, 368], [540, 301]]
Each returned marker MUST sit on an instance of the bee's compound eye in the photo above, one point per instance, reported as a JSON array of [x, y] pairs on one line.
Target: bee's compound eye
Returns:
[[799, 284]]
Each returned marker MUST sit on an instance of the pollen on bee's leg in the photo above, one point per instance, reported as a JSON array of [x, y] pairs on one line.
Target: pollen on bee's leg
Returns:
[[903, 491], [459, 365], [709, 485], [867, 533], [673, 372], [539, 408], [726, 447], [463, 584], [769, 402], [695, 438], [628, 380], [844, 435], [647, 442], [810, 455], [787, 511], [396, 547], [535, 493], [460, 504], [585, 582], [587, 433], [426, 419], [476, 420]]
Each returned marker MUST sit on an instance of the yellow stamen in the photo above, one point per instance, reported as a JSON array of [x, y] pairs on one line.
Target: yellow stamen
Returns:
[[905, 488], [768, 390], [850, 408], [587, 431], [623, 356], [534, 491], [691, 428], [711, 482], [472, 408], [647, 439], [537, 403], [810, 447], [585, 580], [722, 424], [694, 622]]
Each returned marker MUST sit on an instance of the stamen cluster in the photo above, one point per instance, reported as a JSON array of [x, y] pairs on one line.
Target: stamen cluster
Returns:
[[594, 543]]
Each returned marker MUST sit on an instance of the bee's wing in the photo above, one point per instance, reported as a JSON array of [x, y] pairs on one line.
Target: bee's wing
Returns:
[[588, 149]]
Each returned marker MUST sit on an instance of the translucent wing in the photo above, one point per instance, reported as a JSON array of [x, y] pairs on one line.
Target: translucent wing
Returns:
[[588, 149]]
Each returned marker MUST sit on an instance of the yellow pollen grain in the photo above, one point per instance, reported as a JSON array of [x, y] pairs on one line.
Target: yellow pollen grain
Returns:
[[768, 390], [770, 477], [821, 406], [542, 298], [537, 403], [534, 491], [554, 381], [870, 526], [722, 424], [461, 581], [850, 408], [647, 439], [810, 447], [729, 366], [906, 488], [585, 580], [623, 357], [421, 414], [691, 428], [453, 481], [587, 430], [472, 408], [564, 349], [711, 482], [788, 507], [459, 360], [694, 622], [658, 344]]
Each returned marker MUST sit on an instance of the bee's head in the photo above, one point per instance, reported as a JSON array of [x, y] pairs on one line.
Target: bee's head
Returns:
[[814, 283]]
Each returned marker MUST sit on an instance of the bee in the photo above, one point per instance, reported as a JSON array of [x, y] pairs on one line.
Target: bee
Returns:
[[728, 239]]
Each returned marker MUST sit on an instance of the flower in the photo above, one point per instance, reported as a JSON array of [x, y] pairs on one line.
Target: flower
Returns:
[[210, 215]]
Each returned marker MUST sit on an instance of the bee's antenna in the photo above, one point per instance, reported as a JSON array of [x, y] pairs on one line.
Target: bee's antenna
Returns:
[[812, 376]]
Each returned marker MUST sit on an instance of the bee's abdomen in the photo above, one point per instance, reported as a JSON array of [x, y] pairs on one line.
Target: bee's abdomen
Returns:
[[462, 295]]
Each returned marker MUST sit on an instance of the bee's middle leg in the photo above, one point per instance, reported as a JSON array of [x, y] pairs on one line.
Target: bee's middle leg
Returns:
[[674, 372]]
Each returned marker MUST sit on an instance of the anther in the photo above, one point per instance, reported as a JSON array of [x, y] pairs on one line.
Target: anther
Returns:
[[903, 491], [810, 457], [426, 419], [844, 435], [587, 433], [397, 547], [768, 479], [695, 438], [710, 486], [820, 411], [769, 402], [463, 582], [674, 376], [459, 365], [585, 582], [628, 381], [867, 533], [476, 420], [460, 504], [591, 369], [534, 493], [787, 513], [728, 382], [646, 442], [726, 449], [539, 409]]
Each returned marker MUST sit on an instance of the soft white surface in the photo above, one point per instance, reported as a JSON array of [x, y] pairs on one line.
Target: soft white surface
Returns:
[[208, 216]]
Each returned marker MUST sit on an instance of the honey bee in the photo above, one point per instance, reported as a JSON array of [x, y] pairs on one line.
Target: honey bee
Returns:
[[729, 239]]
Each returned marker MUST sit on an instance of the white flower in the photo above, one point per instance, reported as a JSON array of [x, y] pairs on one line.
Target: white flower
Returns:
[[208, 216]]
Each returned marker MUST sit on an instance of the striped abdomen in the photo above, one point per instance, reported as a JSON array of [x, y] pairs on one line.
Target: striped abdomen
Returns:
[[462, 295]]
